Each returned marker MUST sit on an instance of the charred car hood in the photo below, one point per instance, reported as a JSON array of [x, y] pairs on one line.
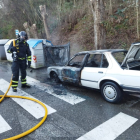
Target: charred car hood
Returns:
[[57, 55]]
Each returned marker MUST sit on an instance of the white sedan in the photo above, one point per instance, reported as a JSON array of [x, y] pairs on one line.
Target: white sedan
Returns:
[[111, 71]]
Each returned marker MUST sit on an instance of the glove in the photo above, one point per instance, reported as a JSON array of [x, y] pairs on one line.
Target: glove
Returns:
[[29, 64], [13, 49]]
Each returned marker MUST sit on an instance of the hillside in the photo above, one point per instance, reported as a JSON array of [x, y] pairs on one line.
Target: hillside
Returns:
[[72, 21], [81, 36], [120, 28]]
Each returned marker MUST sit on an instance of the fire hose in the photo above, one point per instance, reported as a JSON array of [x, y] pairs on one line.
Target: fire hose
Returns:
[[36, 126]]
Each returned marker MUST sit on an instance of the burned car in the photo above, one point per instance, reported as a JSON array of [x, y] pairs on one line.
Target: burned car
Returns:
[[113, 71]]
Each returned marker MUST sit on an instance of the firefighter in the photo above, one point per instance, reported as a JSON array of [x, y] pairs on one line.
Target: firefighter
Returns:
[[21, 54]]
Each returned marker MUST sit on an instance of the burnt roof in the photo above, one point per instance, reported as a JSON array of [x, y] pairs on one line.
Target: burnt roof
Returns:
[[102, 51]]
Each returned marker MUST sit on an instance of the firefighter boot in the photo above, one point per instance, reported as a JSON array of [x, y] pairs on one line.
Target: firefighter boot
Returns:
[[25, 86], [14, 89]]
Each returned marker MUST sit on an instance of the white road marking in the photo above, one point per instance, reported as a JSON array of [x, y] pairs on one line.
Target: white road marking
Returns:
[[33, 108], [4, 126], [67, 97], [110, 129]]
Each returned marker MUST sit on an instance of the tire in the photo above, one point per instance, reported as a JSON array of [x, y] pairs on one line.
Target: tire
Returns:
[[54, 77], [111, 92]]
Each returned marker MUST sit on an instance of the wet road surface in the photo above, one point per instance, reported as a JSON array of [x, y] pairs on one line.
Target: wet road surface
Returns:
[[75, 113]]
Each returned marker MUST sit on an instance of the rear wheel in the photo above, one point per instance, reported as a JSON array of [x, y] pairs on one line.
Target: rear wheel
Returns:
[[54, 77], [111, 92]]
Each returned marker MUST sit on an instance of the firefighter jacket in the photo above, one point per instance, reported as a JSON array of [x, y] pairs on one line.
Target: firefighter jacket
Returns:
[[22, 49]]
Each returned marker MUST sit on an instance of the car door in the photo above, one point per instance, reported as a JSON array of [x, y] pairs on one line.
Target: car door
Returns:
[[94, 70], [71, 72]]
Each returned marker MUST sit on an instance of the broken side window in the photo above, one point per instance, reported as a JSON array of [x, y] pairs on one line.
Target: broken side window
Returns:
[[119, 56], [94, 60], [77, 61], [105, 63]]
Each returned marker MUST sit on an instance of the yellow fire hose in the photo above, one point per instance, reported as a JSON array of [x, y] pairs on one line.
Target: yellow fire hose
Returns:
[[35, 127]]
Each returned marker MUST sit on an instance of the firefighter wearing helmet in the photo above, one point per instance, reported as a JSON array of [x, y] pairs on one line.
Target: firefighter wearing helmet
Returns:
[[21, 54]]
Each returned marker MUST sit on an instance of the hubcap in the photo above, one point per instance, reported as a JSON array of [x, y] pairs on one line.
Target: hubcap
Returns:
[[110, 92]]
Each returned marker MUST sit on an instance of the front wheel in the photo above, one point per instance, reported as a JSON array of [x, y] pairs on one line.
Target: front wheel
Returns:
[[111, 92], [54, 77]]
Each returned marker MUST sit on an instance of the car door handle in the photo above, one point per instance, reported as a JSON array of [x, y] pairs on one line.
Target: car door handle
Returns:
[[100, 72]]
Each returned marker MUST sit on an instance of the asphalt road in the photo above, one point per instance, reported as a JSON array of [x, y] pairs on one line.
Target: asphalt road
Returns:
[[75, 113]]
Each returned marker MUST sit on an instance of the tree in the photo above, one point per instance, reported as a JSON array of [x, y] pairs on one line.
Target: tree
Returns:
[[137, 11], [26, 26], [43, 14], [110, 8], [98, 10]]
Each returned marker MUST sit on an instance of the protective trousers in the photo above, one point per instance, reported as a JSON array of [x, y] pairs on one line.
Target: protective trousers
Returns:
[[16, 66]]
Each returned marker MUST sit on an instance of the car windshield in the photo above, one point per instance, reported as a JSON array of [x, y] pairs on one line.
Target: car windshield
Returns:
[[119, 56]]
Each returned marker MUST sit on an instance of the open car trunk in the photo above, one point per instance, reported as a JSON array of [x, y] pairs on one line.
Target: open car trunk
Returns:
[[132, 59]]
